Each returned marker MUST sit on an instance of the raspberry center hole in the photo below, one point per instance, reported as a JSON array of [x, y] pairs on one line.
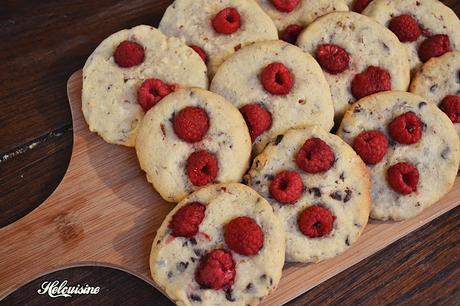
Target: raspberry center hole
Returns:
[[279, 78], [317, 225], [284, 185], [205, 169], [230, 18], [153, 91]]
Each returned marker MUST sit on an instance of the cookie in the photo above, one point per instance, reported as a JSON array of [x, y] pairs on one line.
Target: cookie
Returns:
[[191, 139], [217, 29], [319, 189], [297, 14], [281, 83], [222, 245], [427, 28], [128, 73], [357, 5], [358, 55], [439, 81], [411, 148]]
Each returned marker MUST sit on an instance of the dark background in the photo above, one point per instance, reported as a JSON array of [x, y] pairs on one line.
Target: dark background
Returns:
[[41, 44]]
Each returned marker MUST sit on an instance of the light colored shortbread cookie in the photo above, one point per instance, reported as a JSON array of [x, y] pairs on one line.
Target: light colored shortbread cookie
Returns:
[[368, 44], [110, 92], [178, 256], [241, 81], [192, 21], [420, 163], [433, 17], [193, 137], [303, 14], [439, 78], [341, 192]]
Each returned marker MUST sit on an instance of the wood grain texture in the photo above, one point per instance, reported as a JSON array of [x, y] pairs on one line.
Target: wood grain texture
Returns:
[[104, 211], [43, 42]]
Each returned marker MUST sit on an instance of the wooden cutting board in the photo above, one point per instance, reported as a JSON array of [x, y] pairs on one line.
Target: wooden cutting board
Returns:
[[105, 213]]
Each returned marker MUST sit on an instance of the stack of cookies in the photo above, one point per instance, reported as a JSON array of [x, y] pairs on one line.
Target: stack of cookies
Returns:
[[247, 91]]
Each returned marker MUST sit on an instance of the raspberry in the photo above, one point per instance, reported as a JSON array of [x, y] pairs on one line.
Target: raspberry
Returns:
[[332, 58], [191, 124], [290, 33], [129, 54], [315, 156], [257, 118], [277, 79], [371, 146], [285, 6], [202, 168], [403, 178], [187, 220], [216, 270], [372, 80], [360, 5], [286, 187], [406, 128], [227, 21], [200, 52], [151, 92], [405, 27], [316, 221], [244, 236], [451, 106], [434, 46]]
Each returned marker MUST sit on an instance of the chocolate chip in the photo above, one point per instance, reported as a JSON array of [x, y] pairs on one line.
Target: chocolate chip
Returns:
[[195, 298], [229, 295], [237, 47], [257, 182], [163, 131], [271, 281], [458, 77], [301, 101], [109, 87], [182, 266], [337, 195], [347, 241], [422, 104], [197, 252], [385, 46], [269, 177], [445, 153], [315, 191], [224, 189], [263, 277], [433, 87], [193, 259], [346, 131], [342, 176], [348, 195], [249, 287], [193, 241], [279, 138], [170, 274], [185, 243], [125, 80], [357, 109]]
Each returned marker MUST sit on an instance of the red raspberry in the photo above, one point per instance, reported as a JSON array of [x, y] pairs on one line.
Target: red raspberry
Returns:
[[360, 5], [257, 118], [200, 52], [405, 27], [403, 178], [434, 46], [371, 146], [277, 79], [332, 58], [285, 6], [129, 54], [406, 128], [216, 270], [316, 221], [315, 156], [227, 21], [191, 124], [372, 80], [151, 92], [291, 33], [451, 106], [244, 236], [286, 187], [202, 168], [187, 220]]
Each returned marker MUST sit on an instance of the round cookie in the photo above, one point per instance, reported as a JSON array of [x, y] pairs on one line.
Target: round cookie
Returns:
[[178, 257], [439, 78], [304, 13], [192, 138], [413, 153], [110, 98], [433, 19], [298, 190], [307, 99], [197, 22], [358, 56]]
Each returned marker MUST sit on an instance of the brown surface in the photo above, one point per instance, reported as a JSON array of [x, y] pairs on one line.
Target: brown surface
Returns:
[[43, 42]]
